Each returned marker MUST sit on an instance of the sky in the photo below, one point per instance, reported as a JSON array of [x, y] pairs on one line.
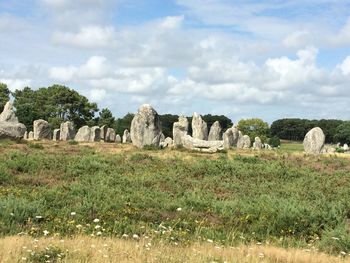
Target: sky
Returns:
[[240, 58]]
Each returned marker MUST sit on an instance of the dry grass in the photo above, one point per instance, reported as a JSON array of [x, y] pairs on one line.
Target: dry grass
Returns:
[[88, 249]]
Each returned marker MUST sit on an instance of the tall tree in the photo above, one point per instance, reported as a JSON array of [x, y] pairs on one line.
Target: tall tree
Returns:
[[106, 118], [254, 127], [4, 95]]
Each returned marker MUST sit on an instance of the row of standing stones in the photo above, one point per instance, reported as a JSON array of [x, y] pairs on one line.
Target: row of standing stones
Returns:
[[146, 131]]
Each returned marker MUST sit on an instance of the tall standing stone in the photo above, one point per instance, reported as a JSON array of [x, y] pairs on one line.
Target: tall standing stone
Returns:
[[126, 136], [42, 130], [56, 135], [243, 142], [67, 131], [230, 137], [314, 141], [95, 134], [8, 113], [110, 135], [145, 127], [257, 144], [31, 136], [199, 127], [104, 129], [10, 128], [180, 130], [215, 132], [83, 134]]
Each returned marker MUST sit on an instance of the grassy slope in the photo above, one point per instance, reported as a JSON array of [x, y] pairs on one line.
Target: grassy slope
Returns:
[[231, 198]]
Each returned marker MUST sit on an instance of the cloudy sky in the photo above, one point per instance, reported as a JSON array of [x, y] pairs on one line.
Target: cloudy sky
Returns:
[[242, 58]]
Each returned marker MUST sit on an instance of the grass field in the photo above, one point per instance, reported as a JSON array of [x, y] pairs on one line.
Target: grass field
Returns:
[[175, 200]]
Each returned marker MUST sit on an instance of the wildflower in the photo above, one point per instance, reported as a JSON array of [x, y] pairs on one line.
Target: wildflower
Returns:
[[73, 213], [343, 253], [97, 226], [125, 236], [12, 214], [78, 226], [96, 220], [24, 258], [38, 217], [335, 238], [179, 209], [46, 232], [210, 241], [261, 255], [135, 236], [99, 233]]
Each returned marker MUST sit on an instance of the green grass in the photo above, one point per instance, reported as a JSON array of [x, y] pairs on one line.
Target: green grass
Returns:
[[291, 146], [285, 199]]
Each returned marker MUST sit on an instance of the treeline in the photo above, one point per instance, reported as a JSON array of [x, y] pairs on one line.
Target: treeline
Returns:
[[58, 104]]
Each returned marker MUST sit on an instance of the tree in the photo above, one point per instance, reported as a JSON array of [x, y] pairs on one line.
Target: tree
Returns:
[[167, 121], [4, 96], [106, 118], [55, 104], [342, 134], [254, 128], [123, 123]]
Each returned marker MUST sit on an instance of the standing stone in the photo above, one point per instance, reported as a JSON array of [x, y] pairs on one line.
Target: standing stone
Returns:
[[25, 136], [95, 134], [257, 145], [67, 131], [230, 137], [30, 136], [10, 128], [180, 130], [199, 127], [110, 135], [118, 139], [104, 129], [314, 141], [162, 137], [243, 142], [215, 132], [145, 127], [168, 142], [41, 130], [56, 135], [346, 147], [126, 137], [83, 134]]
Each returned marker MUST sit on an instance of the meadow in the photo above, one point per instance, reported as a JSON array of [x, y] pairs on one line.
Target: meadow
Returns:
[[161, 205]]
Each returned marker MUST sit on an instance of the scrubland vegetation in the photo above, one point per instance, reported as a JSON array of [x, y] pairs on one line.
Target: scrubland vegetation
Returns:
[[174, 197]]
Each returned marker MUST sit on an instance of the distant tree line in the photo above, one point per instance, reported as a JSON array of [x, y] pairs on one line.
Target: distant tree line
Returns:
[[58, 103]]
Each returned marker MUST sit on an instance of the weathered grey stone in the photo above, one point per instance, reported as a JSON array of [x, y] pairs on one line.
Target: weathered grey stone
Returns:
[[314, 141], [215, 132], [118, 139], [31, 136], [346, 147], [257, 144], [243, 142], [95, 134], [10, 128], [202, 145], [42, 130], [162, 137], [199, 127], [56, 135], [110, 135], [328, 149], [230, 137], [83, 134], [267, 146], [145, 127], [67, 131], [180, 129], [168, 142], [126, 137], [8, 113], [25, 136], [104, 129]]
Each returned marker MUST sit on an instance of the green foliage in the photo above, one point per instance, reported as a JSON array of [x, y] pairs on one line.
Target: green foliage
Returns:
[[55, 104], [124, 123], [35, 146], [4, 95], [342, 134], [49, 254], [274, 141], [229, 200], [296, 129], [106, 118], [167, 121], [254, 128]]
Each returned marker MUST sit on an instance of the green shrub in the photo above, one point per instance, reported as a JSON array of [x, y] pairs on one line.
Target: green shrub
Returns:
[[35, 146], [72, 142], [274, 141]]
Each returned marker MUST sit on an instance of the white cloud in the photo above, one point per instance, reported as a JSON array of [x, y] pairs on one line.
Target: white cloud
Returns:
[[14, 84], [345, 66], [298, 39], [172, 22]]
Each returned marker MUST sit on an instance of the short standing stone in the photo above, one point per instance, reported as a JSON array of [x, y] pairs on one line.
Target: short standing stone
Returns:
[[95, 135], [257, 145], [25, 136], [230, 137], [56, 135], [83, 134], [67, 131], [145, 127], [346, 147], [118, 139], [180, 129], [199, 127], [126, 137], [104, 129], [243, 142], [314, 141], [215, 132], [31, 136], [168, 142], [41, 130], [110, 135]]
